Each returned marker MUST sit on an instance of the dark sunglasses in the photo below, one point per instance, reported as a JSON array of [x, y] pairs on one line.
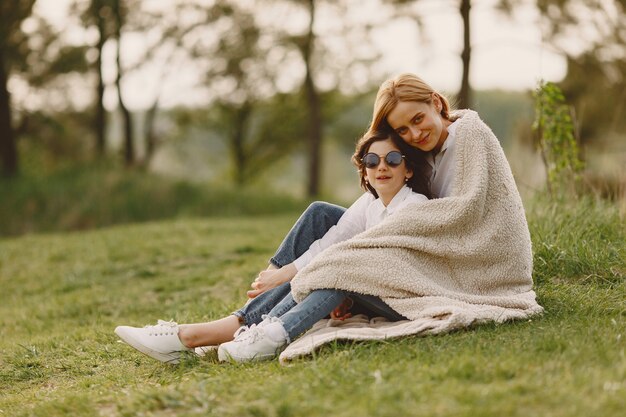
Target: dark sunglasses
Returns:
[[393, 159]]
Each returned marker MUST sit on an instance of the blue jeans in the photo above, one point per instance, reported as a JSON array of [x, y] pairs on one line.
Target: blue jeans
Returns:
[[278, 302], [298, 318], [312, 225]]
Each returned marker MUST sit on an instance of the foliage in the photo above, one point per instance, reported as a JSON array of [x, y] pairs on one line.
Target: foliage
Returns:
[[346, 116], [274, 129], [63, 294], [555, 129], [505, 112], [13, 40], [103, 195], [598, 92], [595, 82], [13, 43]]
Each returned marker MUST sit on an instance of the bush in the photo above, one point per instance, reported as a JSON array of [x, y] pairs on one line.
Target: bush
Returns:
[[82, 198]]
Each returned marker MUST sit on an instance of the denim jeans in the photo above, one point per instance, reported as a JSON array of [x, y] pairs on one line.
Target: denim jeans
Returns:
[[278, 302], [312, 225], [298, 318]]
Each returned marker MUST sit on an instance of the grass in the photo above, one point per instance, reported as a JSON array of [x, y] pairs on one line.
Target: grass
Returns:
[[62, 295]]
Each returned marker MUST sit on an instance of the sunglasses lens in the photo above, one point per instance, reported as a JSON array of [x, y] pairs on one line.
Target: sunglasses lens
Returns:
[[393, 158], [371, 160]]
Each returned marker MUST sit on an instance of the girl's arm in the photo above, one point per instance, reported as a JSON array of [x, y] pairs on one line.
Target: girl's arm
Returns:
[[350, 224], [271, 278]]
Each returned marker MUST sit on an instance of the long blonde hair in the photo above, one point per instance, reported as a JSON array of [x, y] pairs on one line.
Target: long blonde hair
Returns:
[[405, 87]]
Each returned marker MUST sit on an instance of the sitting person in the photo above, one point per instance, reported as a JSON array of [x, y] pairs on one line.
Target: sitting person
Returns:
[[391, 173]]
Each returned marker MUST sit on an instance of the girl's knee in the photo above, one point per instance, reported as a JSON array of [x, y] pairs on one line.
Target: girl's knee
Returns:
[[322, 209], [318, 207]]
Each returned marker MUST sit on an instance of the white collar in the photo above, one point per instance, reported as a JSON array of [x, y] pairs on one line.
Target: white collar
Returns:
[[451, 136], [448, 142], [378, 207]]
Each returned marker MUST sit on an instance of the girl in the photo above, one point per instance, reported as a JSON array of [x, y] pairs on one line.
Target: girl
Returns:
[[391, 173]]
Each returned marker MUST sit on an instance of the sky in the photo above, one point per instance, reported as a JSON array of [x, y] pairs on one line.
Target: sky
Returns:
[[507, 53]]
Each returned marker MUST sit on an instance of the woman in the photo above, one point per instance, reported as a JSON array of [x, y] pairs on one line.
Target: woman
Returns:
[[453, 261], [390, 179]]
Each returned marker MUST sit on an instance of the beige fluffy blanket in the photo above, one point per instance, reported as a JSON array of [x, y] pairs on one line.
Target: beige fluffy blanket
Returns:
[[444, 264]]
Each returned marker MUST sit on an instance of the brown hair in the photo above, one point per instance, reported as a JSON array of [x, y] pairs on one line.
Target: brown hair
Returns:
[[405, 87], [414, 159]]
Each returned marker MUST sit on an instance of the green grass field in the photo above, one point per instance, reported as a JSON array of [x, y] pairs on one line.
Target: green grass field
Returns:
[[63, 294]]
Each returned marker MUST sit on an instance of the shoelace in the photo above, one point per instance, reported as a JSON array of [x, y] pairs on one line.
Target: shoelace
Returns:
[[249, 334], [162, 328]]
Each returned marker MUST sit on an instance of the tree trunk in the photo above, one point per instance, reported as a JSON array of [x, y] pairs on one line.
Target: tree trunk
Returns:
[[100, 122], [8, 149], [465, 91], [149, 131], [129, 151], [315, 113], [242, 115]]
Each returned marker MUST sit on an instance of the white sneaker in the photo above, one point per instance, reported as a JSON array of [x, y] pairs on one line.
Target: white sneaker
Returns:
[[160, 342], [255, 343]]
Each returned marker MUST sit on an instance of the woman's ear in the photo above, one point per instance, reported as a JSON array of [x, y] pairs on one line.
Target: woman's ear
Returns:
[[437, 102], [409, 174]]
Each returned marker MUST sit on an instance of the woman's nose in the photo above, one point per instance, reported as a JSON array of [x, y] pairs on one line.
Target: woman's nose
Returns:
[[415, 132]]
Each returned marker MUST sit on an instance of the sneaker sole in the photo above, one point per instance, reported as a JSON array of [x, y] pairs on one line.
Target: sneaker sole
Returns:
[[224, 356], [134, 343]]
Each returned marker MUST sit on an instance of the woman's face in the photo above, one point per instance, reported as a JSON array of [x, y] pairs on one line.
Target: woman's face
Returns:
[[386, 180], [420, 124]]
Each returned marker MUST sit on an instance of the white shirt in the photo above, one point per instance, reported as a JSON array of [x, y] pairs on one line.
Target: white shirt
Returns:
[[364, 213], [442, 165]]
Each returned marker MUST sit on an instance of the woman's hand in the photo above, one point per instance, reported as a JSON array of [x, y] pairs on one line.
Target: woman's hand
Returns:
[[271, 278], [341, 312]]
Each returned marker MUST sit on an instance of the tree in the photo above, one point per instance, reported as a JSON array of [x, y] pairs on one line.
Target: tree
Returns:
[[33, 52], [314, 128], [407, 7], [12, 42], [556, 139], [596, 76], [319, 61], [465, 92], [98, 14], [225, 42], [120, 12]]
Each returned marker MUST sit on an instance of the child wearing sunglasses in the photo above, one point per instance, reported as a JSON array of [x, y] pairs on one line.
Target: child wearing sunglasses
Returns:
[[391, 174]]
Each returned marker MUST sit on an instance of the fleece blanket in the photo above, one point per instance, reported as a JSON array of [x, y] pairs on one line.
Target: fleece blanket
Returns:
[[445, 264]]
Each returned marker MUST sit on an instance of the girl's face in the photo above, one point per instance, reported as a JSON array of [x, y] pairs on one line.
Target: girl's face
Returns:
[[386, 180], [420, 124]]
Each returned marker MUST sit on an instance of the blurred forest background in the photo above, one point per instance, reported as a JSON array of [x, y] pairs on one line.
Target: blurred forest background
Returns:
[[281, 91]]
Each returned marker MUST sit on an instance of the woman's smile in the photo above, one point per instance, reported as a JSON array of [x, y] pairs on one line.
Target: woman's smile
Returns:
[[422, 141]]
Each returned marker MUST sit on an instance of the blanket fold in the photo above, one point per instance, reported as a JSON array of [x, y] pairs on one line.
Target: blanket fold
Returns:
[[448, 262]]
